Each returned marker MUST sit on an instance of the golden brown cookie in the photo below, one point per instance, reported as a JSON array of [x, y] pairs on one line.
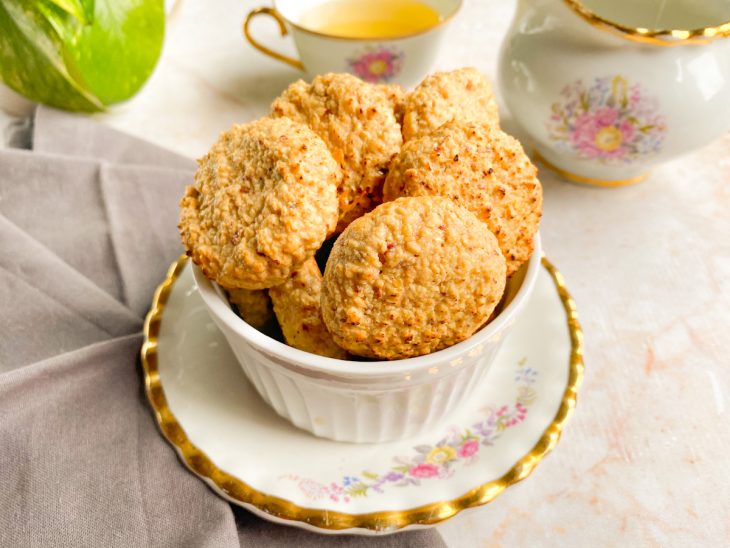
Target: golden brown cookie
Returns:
[[464, 94], [264, 200], [411, 277], [296, 304], [484, 170], [397, 96], [357, 121], [252, 305]]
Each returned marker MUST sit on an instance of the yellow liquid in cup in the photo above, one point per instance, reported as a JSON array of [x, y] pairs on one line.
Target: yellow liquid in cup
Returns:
[[370, 18]]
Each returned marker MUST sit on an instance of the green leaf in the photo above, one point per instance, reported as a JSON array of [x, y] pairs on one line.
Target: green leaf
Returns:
[[82, 10], [79, 54], [66, 25], [32, 60], [117, 54]]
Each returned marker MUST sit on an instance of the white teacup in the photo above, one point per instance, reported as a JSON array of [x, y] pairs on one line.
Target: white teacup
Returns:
[[403, 59]]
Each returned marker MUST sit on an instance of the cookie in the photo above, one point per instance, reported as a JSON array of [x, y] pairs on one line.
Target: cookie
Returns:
[[264, 200], [252, 305], [411, 277], [481, 168], [357, 121], [464, 94], [397, 96], [297, 307]]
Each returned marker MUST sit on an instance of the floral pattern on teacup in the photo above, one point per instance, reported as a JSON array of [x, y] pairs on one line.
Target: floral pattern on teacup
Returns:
[[460, 445], [377, 64], [611, 121]]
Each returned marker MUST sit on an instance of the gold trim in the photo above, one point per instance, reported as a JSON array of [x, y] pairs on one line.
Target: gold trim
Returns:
[[373, 38], [574, 177], [658, 37], [296, 63], [238, 491]]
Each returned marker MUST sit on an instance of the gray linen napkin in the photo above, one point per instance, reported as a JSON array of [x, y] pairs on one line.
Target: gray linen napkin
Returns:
[[141, 208], [82, 464], [57, 201], [58, 132], [84, 242], [48, 307]]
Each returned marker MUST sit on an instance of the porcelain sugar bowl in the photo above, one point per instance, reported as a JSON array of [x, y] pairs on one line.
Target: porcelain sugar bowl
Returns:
[[605, 94]]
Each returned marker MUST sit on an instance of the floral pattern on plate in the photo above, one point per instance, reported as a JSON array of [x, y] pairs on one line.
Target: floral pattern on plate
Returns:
[[611, 121], [377, 64], [460, 445]]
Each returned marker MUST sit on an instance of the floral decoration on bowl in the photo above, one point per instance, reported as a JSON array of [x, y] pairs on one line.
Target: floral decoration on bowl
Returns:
[[377, 64], [610, 121], [461, 445]]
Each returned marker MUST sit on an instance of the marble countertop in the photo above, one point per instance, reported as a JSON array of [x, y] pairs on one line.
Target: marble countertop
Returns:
[[644, 461]]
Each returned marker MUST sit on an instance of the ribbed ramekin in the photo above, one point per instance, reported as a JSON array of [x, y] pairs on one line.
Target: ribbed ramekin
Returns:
[[367, 401]]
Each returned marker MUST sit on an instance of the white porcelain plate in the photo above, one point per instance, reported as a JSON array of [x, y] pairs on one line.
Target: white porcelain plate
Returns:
[[229, 437]]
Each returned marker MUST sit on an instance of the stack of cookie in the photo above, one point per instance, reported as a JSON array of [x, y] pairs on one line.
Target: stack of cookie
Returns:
[[431, 206]]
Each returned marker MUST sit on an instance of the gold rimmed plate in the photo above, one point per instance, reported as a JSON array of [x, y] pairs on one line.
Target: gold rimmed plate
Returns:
[[225, 434]]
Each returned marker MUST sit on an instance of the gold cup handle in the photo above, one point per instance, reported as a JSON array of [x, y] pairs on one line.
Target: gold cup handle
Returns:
[[296, 63]]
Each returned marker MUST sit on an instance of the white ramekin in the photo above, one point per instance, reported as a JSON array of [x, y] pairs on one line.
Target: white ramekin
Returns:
[[366, 401]]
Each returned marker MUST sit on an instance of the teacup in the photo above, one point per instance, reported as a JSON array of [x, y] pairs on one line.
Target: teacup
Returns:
[[403, 59]]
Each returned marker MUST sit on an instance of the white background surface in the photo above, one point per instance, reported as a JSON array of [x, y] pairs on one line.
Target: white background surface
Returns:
[[644, 460]]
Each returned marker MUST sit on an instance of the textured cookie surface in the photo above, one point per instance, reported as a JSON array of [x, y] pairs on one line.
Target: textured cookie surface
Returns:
[[413, 276], [357, 121], [264, 200], [397, 96], [484, 170], [252, 305], [464, 94], [297, 307]]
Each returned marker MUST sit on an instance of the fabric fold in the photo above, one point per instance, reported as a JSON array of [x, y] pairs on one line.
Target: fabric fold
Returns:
[[141, 205], [48, 307], [58, 202]]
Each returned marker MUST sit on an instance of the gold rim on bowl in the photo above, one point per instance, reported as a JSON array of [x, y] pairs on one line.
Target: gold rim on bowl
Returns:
[[657, 37], [237, 490]]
